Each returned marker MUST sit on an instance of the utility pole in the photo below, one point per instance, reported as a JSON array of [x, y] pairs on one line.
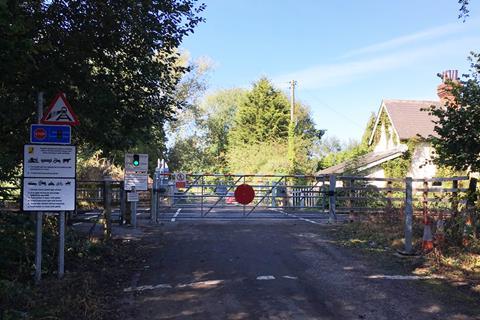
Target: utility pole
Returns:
[[293, 83], [291, 129]]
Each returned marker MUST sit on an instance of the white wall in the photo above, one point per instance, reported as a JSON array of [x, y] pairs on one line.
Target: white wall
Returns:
[[377, 172], [385, 143], [422, 166]]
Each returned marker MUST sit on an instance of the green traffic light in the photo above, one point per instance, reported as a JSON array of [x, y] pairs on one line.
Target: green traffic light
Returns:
[[136, 160]]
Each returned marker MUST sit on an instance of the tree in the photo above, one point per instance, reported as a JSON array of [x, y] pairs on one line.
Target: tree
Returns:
[[215, 131], [262, 116], [457, 143], [206, 133], [259, 158], [116, 60], [218, 118], [262, 125], [331, 152], [464, 12]]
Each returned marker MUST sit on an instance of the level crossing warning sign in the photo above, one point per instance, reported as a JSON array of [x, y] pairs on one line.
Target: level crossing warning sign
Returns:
[[60, 112], [180, 180]]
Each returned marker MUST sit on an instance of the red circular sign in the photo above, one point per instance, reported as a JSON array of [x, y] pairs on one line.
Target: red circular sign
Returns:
[[40, 133], [244, 194]]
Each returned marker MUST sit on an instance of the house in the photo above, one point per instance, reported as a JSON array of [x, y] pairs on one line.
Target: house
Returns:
[[401, 130]]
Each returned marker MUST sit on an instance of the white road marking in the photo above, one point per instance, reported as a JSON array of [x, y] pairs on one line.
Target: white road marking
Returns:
[[265, 278], [294, 215], [400, 277], [176, 214], [201, 284], [148, 287], [195, 285]]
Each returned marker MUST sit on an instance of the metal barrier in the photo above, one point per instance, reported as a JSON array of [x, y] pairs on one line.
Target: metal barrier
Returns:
[[210, 191]]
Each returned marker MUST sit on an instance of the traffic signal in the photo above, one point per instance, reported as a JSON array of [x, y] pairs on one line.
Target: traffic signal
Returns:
[[136, 160]]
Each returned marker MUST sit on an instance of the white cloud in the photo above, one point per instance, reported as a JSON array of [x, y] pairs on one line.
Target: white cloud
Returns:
[[408, 39], [321, 76]]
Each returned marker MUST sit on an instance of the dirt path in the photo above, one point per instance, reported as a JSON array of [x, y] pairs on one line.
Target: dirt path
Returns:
[[276, 270]]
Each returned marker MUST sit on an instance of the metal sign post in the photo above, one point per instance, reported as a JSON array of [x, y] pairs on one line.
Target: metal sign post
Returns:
[[49, 174], [61, 244], [132, 197], [39, 214]]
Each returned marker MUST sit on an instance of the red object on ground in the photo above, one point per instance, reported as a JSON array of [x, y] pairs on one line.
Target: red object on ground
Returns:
[[427, 244], [244, 194], [40, 133]]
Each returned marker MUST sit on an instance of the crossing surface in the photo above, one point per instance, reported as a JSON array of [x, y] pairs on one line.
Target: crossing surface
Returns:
[[276, 269], [239, 213]]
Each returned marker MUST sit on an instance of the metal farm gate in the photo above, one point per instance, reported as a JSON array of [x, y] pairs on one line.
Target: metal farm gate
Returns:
[[212, 196]]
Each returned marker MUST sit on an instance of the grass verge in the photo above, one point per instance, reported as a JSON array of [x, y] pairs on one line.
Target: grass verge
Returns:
[[96, 273], [385, 234]]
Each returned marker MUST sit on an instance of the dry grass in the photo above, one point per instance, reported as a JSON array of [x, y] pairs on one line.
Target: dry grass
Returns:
[[96, 275], [386, 233]]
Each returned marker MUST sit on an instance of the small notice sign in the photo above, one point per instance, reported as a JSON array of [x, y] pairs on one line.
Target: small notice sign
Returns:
[[132, 197], [137, 180], [180, 180], [48, 194], [41, 161]]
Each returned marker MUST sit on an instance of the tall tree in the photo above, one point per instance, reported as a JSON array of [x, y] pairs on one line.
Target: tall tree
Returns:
[[262, 116], [208, 127], [115, 59], [262, 124], [219, 112]]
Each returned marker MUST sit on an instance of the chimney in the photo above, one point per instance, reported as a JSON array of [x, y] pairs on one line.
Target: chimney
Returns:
[[444, 90]]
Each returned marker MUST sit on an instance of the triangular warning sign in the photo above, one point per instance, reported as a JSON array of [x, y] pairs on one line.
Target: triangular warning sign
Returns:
[[60, 112]]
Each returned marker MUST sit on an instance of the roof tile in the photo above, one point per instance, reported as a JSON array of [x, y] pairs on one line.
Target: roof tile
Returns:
[[408, 118]]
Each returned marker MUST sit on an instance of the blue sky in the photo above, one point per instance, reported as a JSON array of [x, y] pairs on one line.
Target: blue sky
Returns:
[[346, 56]]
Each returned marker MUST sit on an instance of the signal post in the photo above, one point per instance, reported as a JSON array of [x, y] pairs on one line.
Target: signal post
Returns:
[[135, 179]]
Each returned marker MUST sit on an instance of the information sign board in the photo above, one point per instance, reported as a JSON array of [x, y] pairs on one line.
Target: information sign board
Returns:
[[48, 194], [43, 161], [139, 180], [132, 197], [136, 171]]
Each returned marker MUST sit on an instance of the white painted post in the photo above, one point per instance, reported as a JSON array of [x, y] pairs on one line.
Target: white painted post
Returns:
[[133, 206], [331, 198], [408, 214], [61, 244], [123, 201], [154, 199], [107, 206]]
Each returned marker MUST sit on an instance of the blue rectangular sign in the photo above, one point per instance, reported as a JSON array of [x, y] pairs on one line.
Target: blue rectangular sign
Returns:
[[53, 134]]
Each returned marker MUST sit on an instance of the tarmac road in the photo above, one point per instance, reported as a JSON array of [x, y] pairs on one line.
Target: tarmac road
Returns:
[[276, 270]]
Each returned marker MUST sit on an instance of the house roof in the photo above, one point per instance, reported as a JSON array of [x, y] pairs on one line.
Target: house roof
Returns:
[[407, 118], [365, 161]]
